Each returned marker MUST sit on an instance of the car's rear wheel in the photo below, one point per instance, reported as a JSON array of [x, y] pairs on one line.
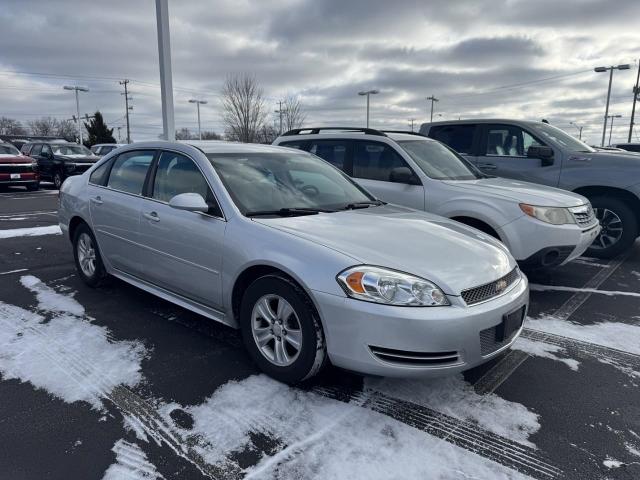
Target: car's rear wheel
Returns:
[[281, 329], [87, 257], [619, 227], [58, 179]]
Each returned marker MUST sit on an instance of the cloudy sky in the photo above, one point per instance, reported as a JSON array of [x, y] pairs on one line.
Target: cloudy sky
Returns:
[[481, 58]]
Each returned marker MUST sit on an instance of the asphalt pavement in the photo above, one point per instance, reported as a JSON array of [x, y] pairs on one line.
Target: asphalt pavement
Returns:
[[566, 404]]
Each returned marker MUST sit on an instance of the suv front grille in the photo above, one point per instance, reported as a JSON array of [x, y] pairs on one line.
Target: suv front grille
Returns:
[[584, 216], [415, 359], [15, 167], [490, 290]]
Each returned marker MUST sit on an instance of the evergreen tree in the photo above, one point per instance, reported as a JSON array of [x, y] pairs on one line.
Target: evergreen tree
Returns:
[[97, 131]]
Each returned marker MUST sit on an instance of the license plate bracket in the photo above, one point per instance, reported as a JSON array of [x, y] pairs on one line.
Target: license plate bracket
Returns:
[[511, 323], [15, 176]]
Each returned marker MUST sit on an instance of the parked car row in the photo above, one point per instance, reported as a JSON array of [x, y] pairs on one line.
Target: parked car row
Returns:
[[17, 169]]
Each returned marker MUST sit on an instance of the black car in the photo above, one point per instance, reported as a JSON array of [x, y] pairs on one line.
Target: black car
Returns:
[[630, 147], [58, 160]]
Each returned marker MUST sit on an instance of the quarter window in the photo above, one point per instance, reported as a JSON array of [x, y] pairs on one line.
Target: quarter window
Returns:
[[375, 160], [458, 137], [100, 174], [129, 171], [178, 174], [334, 152]]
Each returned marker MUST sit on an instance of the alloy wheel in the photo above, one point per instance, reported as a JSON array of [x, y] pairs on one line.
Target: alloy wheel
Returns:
[[612, 229], [86, 255], [276, 330]]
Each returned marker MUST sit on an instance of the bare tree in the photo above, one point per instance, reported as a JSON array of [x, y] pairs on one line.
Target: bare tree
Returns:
[[266, 134], [11, 126], [45, 126], [243, 106], [293, 116], [67, 129], [184, 134], [210, 135]]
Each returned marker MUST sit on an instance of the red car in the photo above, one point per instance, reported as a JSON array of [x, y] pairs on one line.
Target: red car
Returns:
[[17, 169]]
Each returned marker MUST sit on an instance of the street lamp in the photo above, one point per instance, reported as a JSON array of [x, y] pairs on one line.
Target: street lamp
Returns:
[[77, 89], [578, 127], [198, 103], [367, 93], [611, 125], [606, 111]]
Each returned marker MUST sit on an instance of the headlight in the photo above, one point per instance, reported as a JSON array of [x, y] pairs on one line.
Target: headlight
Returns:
[[553, 215], [380, 285], [70, 166]]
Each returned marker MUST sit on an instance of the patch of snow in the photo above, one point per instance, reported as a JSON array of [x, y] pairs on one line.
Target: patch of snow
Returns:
[[324, 438], [131, 464], [30, 232], [612, 463], [590, 261], [545, 350], [632, 449], [134, 424], [49, 300], [611, 293], [453, 396], [68, 356], [636, 274], [12, 219], [620, 336]]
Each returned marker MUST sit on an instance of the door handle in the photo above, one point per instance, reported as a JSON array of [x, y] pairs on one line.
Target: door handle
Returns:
[[97, 200], [488, 166], [153, 216]]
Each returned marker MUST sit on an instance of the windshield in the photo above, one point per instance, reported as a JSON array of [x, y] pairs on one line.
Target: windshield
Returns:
[[262, 182], [8, 150], [560, 137], [439, 162], [70, 150]]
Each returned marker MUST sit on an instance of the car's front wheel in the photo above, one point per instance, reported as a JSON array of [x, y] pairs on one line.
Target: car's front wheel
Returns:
[[619, 227], [87, 257], [281, 329], [58, 179]]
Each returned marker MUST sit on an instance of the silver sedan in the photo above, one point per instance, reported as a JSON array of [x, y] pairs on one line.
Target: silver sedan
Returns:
[[309, 265]]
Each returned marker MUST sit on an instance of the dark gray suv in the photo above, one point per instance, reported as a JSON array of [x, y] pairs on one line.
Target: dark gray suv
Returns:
[[541, 153]]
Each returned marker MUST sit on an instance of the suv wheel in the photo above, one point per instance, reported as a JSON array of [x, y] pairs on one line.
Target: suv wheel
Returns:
[[619, 227], [87, 257], [58, 179], [281, 329]]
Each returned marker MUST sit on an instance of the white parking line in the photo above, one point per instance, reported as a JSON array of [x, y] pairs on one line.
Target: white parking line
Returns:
[[14, 271], [9, 216], [550, 288], [30, 232]]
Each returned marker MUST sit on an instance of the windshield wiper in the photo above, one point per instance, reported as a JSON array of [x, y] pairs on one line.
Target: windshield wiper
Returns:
[[367, 204], [288, 212]]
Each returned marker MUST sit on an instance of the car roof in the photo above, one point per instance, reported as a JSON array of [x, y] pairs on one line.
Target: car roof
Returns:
[[209, 146], [108, 144], [482, 120], [355, 135]]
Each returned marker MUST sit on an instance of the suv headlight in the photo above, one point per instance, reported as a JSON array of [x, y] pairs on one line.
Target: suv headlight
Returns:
[[70, 166], [553, 215], [381, 285]]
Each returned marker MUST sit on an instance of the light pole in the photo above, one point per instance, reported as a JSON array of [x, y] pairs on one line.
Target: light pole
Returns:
[[611, 125], [166, 79], [77, 89], [198, 103], [606, 111], [367, 93], [579, 129], [433, 100]]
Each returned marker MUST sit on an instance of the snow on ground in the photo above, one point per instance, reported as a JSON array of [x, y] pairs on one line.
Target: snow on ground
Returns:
[[67, 355], [324, 438], [30, 232], [590, 261], [455, 397], [545, 350], [611, 293], [131, 464], [621, 336]]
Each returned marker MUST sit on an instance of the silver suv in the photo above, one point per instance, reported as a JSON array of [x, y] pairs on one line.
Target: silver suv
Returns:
[[540, 153]]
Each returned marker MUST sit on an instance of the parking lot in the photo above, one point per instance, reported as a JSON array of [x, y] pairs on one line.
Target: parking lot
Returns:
[[113, 381]]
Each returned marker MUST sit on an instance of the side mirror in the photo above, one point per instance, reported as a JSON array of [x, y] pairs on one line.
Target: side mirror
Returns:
[[542, 152], [191, 202], [403, 175]]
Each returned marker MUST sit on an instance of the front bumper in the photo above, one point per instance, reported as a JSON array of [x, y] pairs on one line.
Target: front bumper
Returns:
[[535, 243], [353, 327]]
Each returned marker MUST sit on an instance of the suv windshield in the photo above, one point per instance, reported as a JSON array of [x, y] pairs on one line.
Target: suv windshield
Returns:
[[439, 162], [8, 150], [549, 132], [70, 150], [287, 183]]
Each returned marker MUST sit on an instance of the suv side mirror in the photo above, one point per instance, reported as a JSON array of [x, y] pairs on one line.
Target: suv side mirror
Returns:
[[544, 153], [191, 202], [403, 175]]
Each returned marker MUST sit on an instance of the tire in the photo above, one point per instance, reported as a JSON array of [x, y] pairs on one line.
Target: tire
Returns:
[[32, 187], [58, 179], [84, 238], [271, 291], [613, 214]]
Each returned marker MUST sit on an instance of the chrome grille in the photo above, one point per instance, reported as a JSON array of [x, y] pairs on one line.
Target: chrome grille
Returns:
[[415, 359], [492, 289], [584, 215], [15, 167]]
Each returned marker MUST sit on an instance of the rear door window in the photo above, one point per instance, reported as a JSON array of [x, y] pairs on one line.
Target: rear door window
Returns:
[[458, 137], [130, 170]]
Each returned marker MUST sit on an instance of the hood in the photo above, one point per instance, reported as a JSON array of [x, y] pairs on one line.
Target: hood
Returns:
[[625, 158], [452, 255], [8, 158], [522, 192], [79, 158]]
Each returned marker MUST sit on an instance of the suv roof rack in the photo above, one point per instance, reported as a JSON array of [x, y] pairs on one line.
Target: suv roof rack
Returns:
[[407, 132], [316, 130]]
